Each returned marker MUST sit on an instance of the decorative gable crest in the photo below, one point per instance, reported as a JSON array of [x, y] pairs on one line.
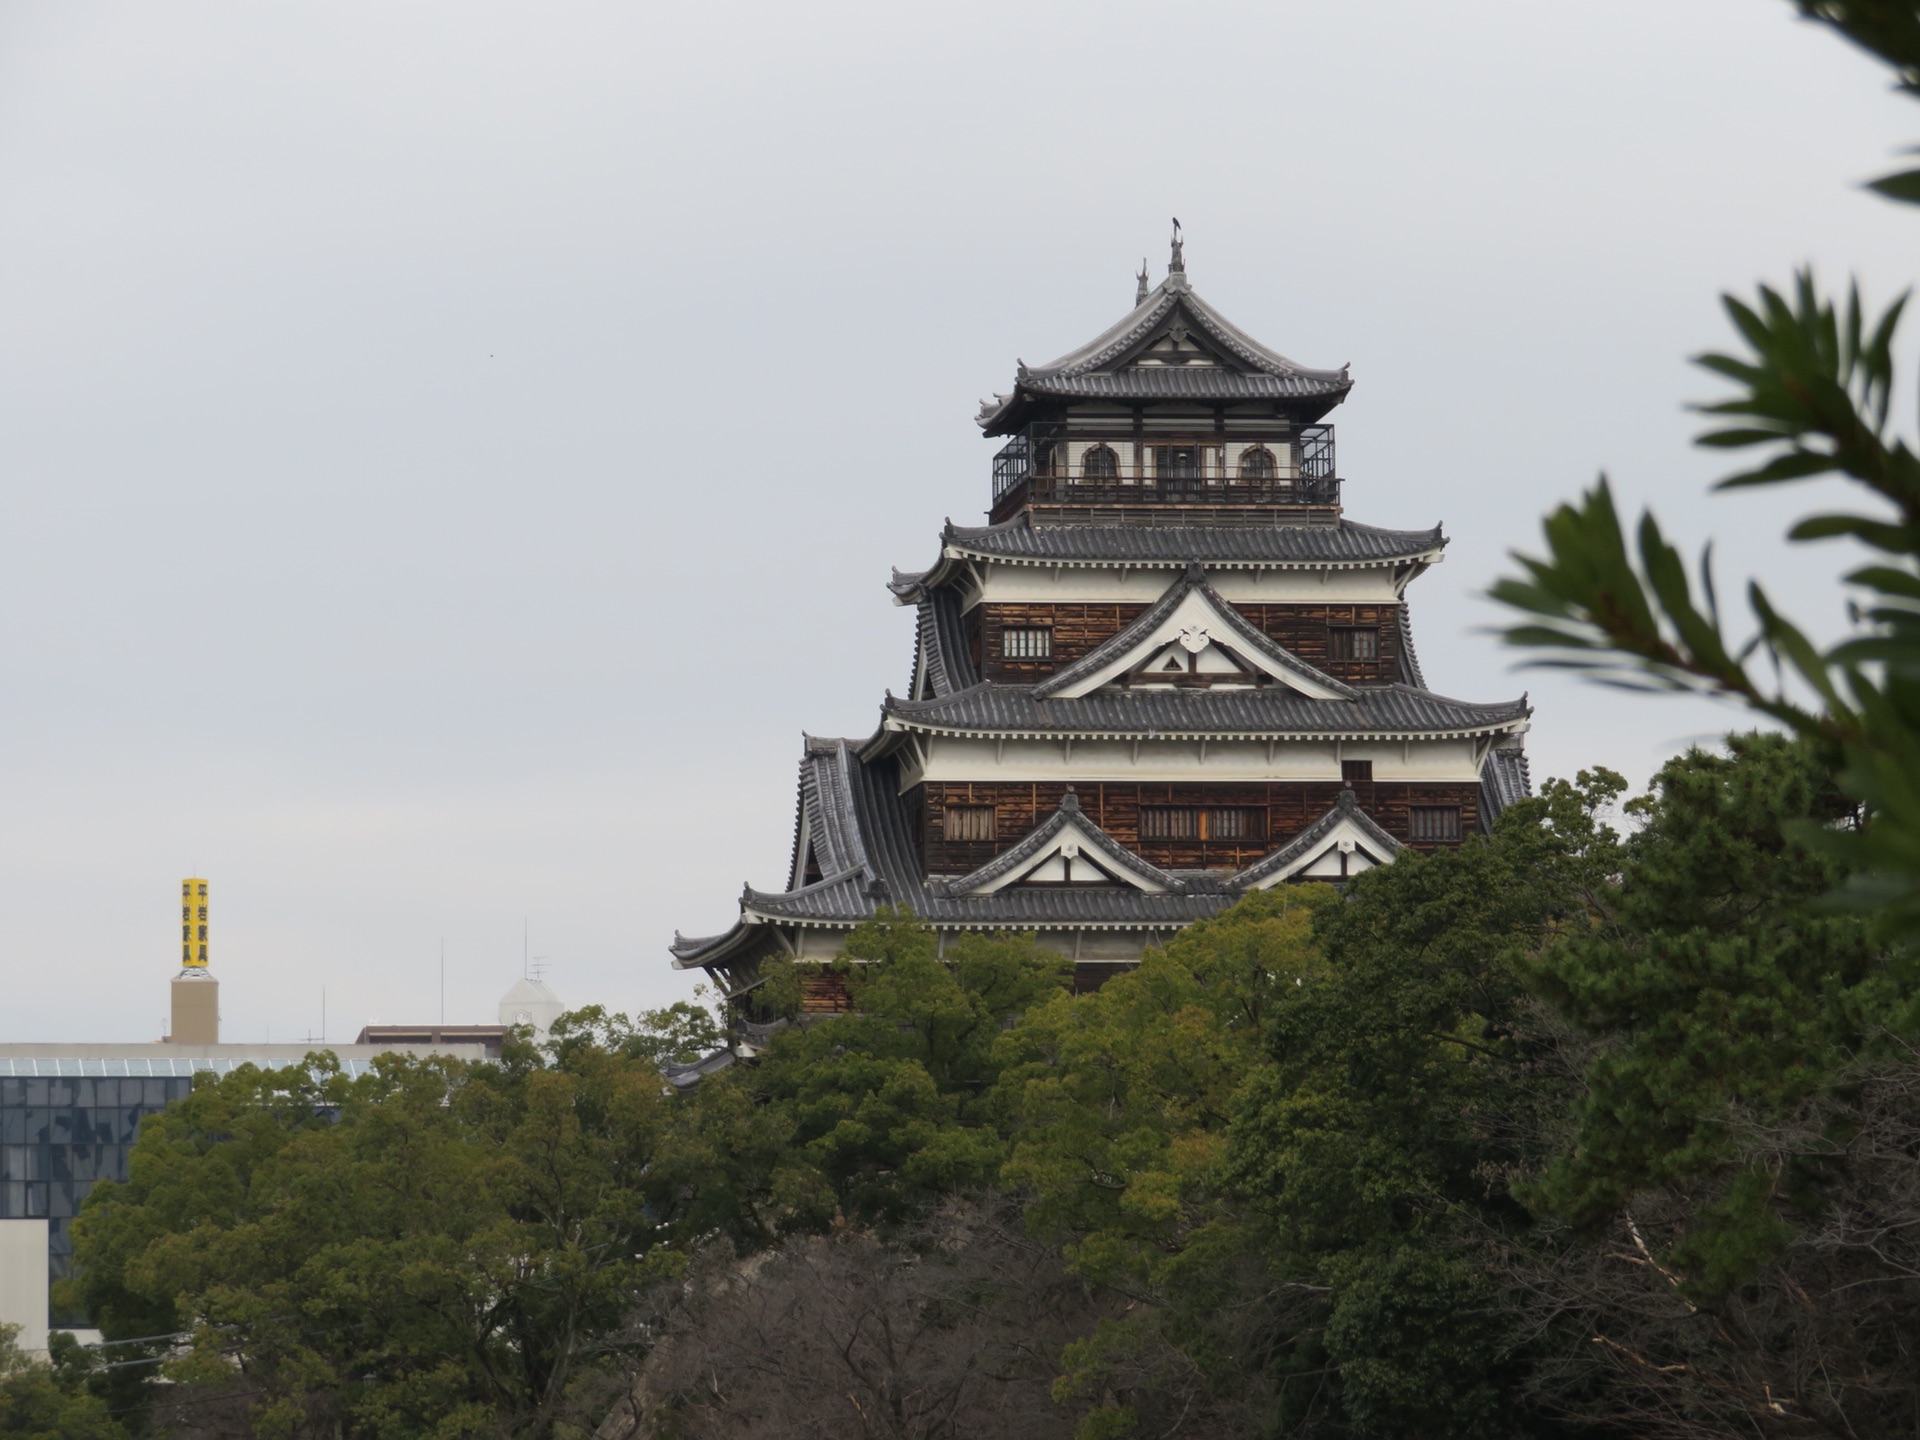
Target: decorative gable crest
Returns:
[[1065, 849], [1192, 638], [1339, 845]]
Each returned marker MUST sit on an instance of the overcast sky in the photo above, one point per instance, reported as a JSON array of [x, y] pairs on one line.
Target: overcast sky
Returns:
[[452, 451]]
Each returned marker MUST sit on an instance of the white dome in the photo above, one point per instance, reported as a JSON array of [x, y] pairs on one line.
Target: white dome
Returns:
[[530, 1002]]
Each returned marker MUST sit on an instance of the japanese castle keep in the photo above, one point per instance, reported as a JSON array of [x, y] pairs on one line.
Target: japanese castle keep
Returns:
[[1168, 670]]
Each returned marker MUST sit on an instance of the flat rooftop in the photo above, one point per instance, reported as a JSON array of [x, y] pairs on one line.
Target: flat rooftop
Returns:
[[41, 1058]]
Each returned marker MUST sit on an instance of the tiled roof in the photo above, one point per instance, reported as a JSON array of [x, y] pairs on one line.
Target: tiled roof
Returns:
[[1345, 809], [1179, 382], [685, 1077], [892, 875], [1343, 545], [1409, 657], [940, 644], [839, 841], [1100, 368], [1244, 631], [1270, 711], [1505, 778]]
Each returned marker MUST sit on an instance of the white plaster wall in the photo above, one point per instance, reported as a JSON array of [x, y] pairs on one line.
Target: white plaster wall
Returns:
[[23, 1280], [1046, 584], [958, 758]]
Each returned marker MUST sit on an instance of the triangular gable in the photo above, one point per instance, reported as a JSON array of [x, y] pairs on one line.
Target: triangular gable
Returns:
[[1339, 845], [1173, 308], [1065, 849], [1210, 641]]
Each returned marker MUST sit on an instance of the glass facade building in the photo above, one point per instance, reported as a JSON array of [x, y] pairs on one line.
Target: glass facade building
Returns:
[[61, 1134]]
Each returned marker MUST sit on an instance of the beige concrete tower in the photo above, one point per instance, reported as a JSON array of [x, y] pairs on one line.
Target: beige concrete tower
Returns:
[[196, 994]]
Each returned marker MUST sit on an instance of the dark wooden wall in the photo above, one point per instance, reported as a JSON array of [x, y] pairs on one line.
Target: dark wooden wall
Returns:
[[1077, 629], [1289, 807], [1303, 629]]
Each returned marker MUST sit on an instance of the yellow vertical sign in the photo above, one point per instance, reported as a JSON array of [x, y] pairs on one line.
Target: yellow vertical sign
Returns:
[[193, 924]]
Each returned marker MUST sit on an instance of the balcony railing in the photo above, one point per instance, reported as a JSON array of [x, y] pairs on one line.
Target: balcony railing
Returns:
[[1043, 465], [1069, 490]]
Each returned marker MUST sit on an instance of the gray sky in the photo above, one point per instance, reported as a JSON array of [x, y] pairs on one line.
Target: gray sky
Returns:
[[451, 451]]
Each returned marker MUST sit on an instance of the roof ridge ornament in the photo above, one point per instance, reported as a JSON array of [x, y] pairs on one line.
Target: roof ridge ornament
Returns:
[[1140, 290], [1178, 264]]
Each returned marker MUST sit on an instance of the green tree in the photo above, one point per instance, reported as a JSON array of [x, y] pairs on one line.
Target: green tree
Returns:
[[1266, 1133], [1403, 1092], [1118, 1103], [1813, 394], [44, 1402], [1714, 986], [681, 1032], [871, 1115], [434, 1249]]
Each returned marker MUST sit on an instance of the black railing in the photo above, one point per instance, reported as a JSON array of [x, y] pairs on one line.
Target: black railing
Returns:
[[1038, 465], [1066, 490]]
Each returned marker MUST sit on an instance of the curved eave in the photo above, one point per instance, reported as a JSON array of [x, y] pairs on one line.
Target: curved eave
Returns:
[[893, 723], [872, 750], [990, 926], [699, 952], [1032, 401], [959, 551], [908, 587]]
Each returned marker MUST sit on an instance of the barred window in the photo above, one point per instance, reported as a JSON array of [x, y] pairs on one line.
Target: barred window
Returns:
[[970, 822], [1352, 642], [1257, 464], [1434, 822], [1100, 463], [1169, 822], [1186, 822], [1355, 772], [1228, 825], [1026, 643]]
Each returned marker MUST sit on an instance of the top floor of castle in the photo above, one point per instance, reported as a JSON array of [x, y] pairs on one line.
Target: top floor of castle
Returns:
[[1172, 416]]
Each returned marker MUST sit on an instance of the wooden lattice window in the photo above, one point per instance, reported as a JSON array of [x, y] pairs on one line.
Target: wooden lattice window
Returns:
[[1026, 642], [1100, 463], [1188, 822], [1434, 822], [1232, 824], [1354, 642], [1257, 464], [970, 822], [1169, 822], [1357, 772]]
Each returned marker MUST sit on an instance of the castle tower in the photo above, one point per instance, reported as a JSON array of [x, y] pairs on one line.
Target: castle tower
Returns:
[[1167, 671]]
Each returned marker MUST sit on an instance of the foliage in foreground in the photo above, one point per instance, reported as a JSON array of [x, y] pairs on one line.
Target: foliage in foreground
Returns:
[[40, 1401], [1812, 394]]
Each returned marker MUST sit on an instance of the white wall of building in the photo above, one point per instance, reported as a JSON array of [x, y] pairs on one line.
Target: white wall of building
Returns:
[[1122, 761], [23, 1280], [1067, 585]]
